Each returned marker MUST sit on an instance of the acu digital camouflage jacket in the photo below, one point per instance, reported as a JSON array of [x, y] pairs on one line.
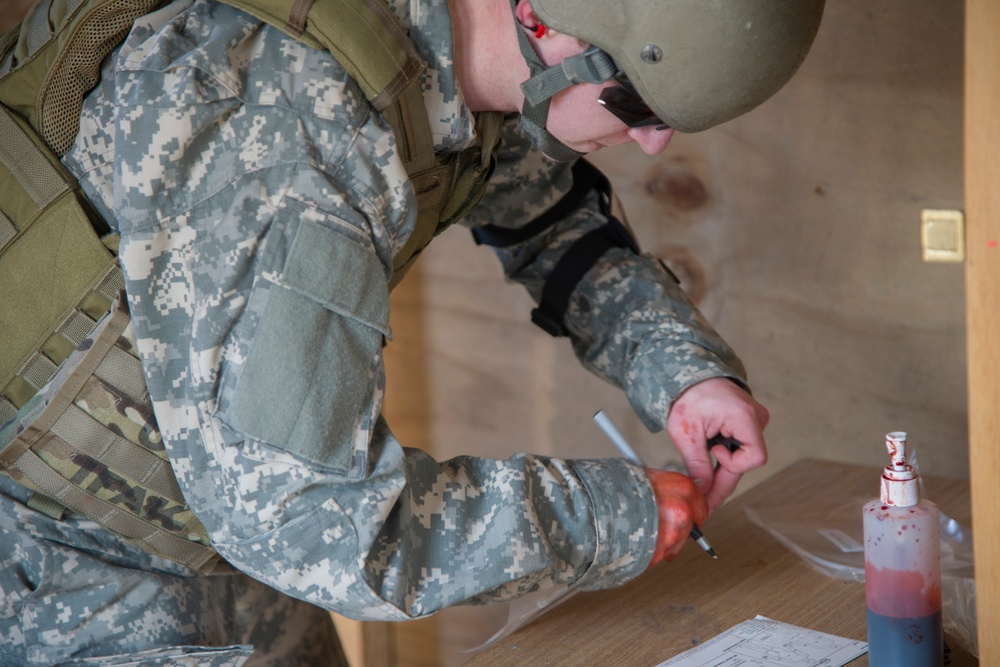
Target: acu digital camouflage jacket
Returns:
[[260, 202]]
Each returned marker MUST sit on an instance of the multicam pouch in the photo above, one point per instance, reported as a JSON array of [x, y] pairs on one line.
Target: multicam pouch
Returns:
[[88, 442]]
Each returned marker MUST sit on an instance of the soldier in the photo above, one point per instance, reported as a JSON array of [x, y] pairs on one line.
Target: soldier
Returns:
[[263, 203]]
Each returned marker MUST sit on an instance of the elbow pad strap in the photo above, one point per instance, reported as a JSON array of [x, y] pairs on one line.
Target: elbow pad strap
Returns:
[[575, 262], [586, 177], [579, 257]]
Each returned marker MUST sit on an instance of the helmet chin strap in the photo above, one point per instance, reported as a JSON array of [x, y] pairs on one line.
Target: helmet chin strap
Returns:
[[591, 66]]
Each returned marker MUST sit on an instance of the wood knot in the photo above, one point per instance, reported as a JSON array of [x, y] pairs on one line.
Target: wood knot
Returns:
[[677, 187]]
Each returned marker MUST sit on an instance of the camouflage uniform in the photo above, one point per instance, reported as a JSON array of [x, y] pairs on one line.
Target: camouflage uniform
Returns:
[[260, 201]]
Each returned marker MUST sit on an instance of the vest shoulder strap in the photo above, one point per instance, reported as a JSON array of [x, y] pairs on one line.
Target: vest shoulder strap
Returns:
[[372, 44]]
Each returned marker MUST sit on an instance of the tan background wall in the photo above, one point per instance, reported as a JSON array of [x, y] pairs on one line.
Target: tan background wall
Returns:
[[800, 226]]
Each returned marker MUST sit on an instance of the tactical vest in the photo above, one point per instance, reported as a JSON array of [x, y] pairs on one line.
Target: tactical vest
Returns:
[[76, 422]]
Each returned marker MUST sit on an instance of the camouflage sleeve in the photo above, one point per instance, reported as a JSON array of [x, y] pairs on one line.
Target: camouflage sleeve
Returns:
[[260, 202], [629, 320]]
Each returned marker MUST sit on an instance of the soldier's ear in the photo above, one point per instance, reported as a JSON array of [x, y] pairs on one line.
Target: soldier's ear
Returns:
[[526, 15]]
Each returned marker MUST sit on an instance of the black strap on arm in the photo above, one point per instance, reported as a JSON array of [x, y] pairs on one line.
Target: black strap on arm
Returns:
[[575, 262], [586, 177], [579, 257]]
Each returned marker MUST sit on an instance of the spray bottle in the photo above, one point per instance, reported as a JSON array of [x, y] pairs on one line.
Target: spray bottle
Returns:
[[902, 569]]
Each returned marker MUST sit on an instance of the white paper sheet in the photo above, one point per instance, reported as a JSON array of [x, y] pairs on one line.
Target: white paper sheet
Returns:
[[762, 642]]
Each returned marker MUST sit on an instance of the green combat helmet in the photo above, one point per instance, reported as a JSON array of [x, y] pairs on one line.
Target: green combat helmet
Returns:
[[686, 64]]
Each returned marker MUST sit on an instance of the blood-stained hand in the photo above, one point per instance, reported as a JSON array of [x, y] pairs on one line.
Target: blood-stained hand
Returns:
[[680, 506], [718, 407]]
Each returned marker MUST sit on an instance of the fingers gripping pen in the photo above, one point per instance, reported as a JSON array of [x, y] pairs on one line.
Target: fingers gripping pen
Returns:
[[616, 437]]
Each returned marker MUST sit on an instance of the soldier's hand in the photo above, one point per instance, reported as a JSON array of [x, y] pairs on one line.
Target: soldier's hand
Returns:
[[718, 407], [680, 506]]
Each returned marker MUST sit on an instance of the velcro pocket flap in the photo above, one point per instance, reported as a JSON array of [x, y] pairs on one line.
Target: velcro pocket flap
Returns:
[[338, 273], [309, 371]]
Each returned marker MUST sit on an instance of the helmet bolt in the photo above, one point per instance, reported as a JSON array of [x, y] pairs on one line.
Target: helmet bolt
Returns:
[[651, 53]]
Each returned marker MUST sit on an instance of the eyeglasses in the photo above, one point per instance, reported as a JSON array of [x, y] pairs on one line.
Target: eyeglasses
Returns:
[[627, 106]]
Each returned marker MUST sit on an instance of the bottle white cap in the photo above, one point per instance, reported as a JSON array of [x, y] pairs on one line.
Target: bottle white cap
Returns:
[[899, 482]]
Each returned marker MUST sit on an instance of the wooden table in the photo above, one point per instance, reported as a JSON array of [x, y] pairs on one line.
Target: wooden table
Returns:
[[677, 605]]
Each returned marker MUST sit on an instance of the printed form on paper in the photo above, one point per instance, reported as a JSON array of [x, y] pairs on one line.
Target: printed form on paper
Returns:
[[762, 642]]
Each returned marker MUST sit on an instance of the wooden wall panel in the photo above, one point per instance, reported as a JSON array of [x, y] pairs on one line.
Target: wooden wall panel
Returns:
[[982, 193]]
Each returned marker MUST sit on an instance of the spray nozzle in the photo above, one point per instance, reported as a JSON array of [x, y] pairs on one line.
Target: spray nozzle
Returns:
[[899, 481], [895, 442]]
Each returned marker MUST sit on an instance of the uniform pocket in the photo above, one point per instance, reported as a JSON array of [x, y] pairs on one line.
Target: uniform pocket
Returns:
[[311, 365]]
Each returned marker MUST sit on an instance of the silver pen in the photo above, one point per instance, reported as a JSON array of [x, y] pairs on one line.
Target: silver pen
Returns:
[[616, 437]]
